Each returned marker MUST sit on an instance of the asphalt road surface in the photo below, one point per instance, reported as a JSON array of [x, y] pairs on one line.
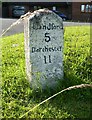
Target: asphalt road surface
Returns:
[[5, 23]]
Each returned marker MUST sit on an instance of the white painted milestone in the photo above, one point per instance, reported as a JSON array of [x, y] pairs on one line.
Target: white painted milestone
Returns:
[[44, 48]]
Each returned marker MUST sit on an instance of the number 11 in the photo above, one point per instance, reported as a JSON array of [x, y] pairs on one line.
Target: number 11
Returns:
[[45, 60]]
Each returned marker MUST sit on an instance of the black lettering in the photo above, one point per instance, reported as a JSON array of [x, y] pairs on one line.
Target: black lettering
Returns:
[[60, 48], [60, 27], [50, 26], [39, 27], [57, 27], [50, 49], [47, 37], [49, 59], [46, 49], [53, 26], [33, 49], [44, 27], [45, 59], [40, 49], [43, 49], [55, 49]]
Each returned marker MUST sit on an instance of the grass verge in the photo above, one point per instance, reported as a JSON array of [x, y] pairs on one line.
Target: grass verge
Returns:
[[18, 97]]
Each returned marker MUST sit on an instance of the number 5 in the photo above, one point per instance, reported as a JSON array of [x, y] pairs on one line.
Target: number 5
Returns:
[[47, 37]]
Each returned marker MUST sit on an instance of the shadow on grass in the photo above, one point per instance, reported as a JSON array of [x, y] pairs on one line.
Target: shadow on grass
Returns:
[[76, 102]]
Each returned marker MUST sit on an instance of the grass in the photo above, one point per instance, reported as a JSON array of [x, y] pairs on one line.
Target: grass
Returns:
[[18, 97]]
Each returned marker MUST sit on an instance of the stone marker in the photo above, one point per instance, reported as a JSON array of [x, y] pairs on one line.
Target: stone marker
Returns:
[[44, 48]]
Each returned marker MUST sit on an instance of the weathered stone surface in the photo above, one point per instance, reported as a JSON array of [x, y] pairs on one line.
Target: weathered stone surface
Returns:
[[44, 48]]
